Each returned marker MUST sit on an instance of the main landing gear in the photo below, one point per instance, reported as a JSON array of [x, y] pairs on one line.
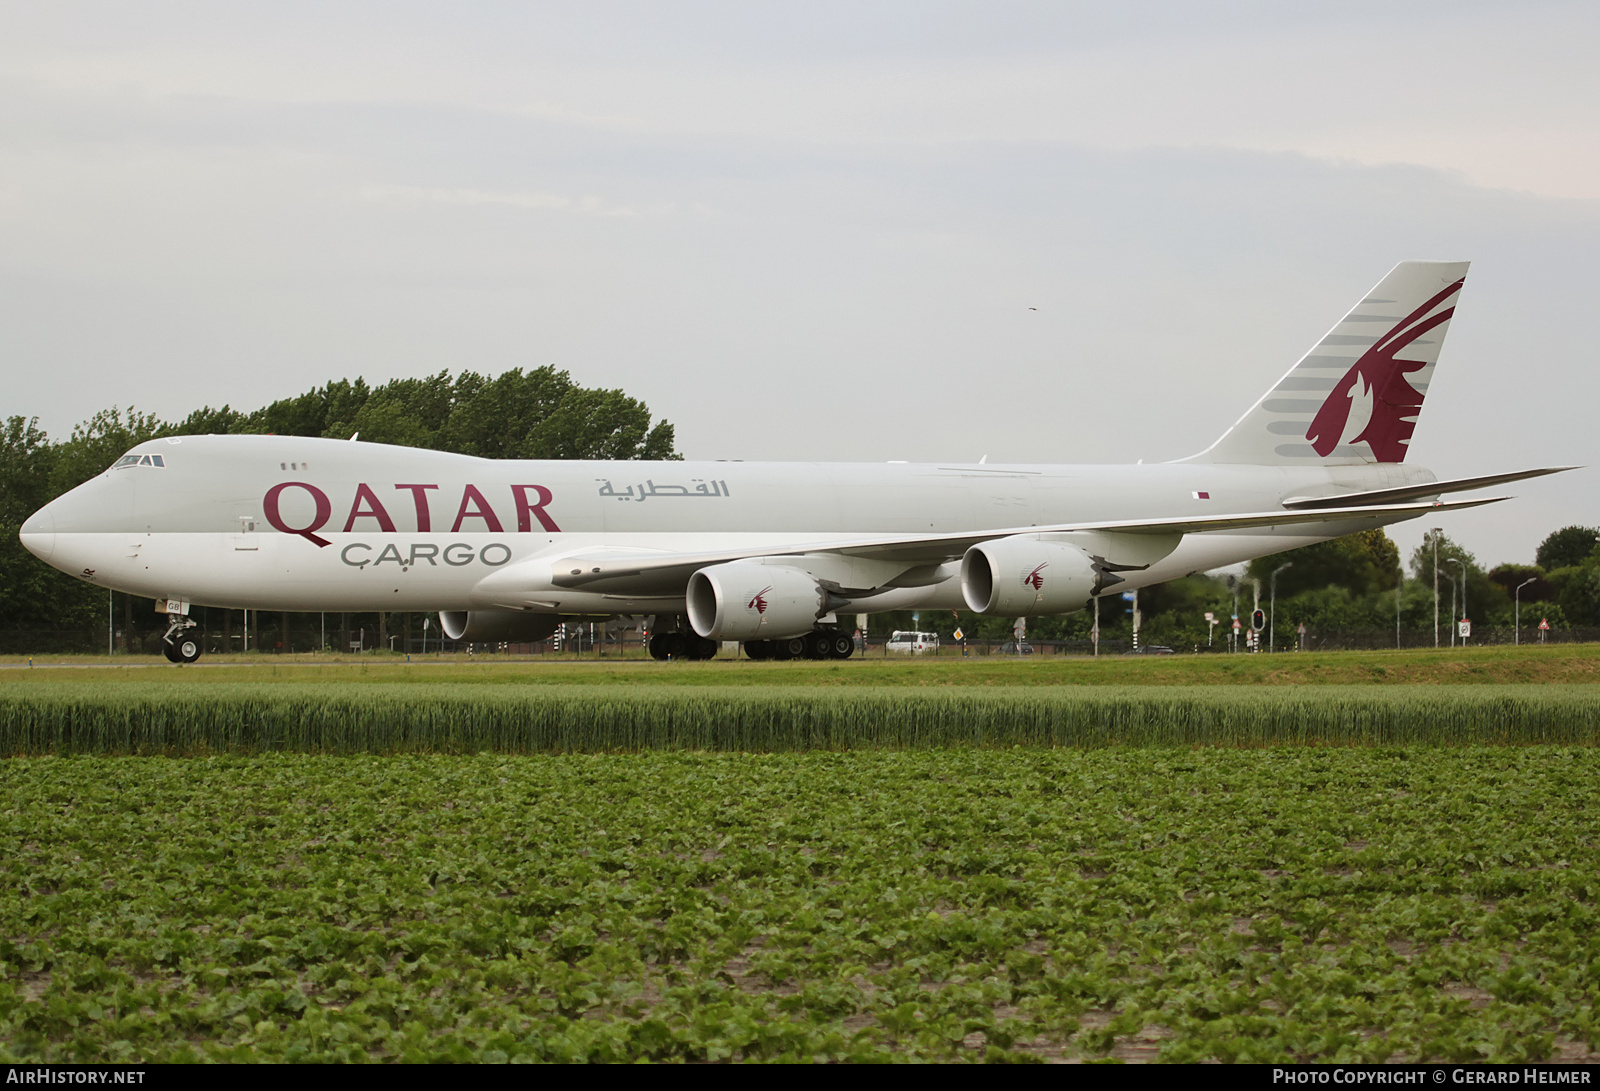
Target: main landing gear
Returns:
[[681, 646], [177, 643], [817, 644]]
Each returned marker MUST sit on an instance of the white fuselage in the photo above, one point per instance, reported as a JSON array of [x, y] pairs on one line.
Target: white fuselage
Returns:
[[288, 523]]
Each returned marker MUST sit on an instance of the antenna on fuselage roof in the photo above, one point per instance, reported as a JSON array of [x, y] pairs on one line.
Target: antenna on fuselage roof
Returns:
[[354, 436]]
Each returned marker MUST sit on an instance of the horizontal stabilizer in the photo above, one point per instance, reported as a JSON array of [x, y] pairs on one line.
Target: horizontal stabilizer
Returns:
[[1415, 492]]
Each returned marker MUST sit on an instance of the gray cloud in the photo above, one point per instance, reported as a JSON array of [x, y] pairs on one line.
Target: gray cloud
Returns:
[[792, 244]]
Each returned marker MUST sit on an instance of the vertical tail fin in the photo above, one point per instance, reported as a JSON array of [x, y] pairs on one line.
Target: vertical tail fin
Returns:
[[1355, 397]]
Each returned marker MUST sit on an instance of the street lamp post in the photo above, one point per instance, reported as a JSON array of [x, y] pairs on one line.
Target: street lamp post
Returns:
[[1434, 534], [1233, 633], [1399, 593], [1272, 615], [1255, 604], [1516, 635], [1457, 617]]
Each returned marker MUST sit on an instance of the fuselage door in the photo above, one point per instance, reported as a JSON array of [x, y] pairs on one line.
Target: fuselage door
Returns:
[[246, 537]]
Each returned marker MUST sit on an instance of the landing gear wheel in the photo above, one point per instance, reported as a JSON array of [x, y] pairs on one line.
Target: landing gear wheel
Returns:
[[758, 649], [841, 645], [792, 648], [666, 646], [178, 643], [699, 647], [818, 644]]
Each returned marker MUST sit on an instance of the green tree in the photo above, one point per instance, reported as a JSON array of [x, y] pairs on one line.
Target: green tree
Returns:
[[211, 422], [311, 413], [98, 442], [1322, 609], [603, 424], [1436, 543], [384, 419], [1174, 613], [1566, 548], [534, 414], [1512, 576], [1360, 563], [1486, 600], [27, 590], [543, 414], [1578, 592]]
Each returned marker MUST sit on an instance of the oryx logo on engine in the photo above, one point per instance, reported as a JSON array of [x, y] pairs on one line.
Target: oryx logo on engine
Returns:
[[759, 602], [1034, 579]]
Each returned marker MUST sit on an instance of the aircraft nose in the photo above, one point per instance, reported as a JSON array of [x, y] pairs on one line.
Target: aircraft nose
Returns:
[[38, 534]]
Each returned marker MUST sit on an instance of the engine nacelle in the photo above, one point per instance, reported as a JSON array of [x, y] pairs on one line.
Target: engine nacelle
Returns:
[[497, 626], [1023, 575], [748, 600]]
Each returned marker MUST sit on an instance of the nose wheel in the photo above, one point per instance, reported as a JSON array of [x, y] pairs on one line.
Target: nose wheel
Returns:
[[178, 644]]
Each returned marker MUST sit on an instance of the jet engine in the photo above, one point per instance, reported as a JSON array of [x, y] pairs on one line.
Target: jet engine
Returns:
[[1023, 575], [1028, 574], [497, 626], [748, 600]]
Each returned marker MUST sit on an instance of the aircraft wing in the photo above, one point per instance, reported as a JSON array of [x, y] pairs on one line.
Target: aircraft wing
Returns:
[[649, 570]]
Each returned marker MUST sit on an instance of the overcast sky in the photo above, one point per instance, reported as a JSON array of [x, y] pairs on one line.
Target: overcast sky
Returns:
[[813, 230]]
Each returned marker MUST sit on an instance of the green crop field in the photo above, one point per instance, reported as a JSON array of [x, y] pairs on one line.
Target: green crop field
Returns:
[[245, 718], [1234, 858], [1137, 903]]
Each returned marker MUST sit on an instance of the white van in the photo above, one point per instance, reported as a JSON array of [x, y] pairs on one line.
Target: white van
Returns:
[[911, 643]]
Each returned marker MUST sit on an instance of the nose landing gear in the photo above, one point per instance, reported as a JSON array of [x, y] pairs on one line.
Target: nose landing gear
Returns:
[[177, 643]]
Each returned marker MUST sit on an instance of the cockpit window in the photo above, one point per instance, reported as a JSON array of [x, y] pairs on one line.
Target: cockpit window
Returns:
[[139, 460]]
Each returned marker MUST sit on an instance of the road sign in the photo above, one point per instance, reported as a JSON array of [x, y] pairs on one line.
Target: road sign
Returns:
[[1464, 628], [1210, 616], [960, 635], [1544, 625], [1236, 625]]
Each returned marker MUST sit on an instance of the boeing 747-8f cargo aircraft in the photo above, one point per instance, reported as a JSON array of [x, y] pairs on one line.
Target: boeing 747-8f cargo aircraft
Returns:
[[764, 553]]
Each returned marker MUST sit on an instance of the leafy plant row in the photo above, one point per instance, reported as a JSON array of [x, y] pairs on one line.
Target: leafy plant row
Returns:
[[1344, 904], [444, 718]]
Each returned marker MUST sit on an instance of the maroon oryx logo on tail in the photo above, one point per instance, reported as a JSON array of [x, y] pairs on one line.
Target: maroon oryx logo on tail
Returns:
[[1034, 579], [1394, 401], [759, 602]]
